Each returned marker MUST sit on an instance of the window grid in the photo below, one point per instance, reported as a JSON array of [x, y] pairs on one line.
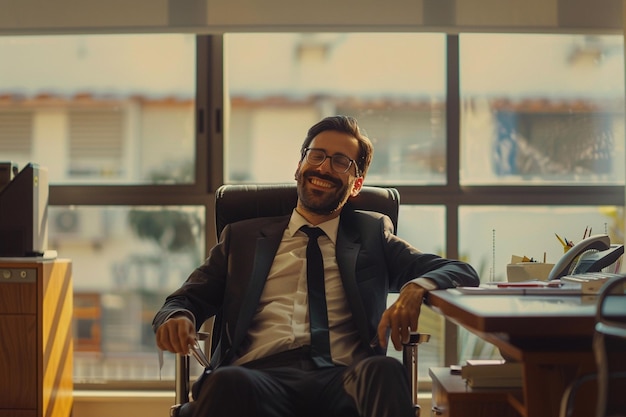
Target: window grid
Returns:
[[209, 167]]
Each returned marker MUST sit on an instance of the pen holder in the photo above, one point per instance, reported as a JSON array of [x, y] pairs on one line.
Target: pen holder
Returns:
[[525, 271]]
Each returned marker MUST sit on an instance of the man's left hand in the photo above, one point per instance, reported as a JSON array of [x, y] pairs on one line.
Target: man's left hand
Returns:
[[402, 316]]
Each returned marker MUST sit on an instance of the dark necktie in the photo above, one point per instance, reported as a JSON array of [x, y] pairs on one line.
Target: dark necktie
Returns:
[[318, 315]]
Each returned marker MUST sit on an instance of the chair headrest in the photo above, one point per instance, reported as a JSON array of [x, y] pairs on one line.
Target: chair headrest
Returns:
[[243, 201]]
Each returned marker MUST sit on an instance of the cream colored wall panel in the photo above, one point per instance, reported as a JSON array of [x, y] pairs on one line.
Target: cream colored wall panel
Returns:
[[219, 16], [52, 15], [336, 13], [510, 13]]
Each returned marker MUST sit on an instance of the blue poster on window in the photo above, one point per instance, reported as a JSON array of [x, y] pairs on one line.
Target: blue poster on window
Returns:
[[505, 146]]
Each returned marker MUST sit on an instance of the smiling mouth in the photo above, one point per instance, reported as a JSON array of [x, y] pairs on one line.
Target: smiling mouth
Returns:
[[321, 183]]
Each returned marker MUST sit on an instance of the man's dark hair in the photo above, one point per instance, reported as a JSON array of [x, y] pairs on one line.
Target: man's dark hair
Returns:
[[344, 124]]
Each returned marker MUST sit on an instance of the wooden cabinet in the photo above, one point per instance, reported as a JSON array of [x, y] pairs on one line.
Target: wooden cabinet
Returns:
[[453, 398], [35, 338]]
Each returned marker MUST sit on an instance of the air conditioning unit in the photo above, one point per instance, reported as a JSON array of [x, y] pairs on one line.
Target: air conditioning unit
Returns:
[[84, 224]]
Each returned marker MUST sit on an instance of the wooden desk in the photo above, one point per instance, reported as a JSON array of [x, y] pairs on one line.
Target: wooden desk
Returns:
[[550, 334], [35, 338]]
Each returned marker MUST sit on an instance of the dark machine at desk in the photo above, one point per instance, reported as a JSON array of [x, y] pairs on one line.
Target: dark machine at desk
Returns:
[[592, 254], [23, 210]]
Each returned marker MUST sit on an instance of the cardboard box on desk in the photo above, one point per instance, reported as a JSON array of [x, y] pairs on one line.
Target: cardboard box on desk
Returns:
[[525, 271]]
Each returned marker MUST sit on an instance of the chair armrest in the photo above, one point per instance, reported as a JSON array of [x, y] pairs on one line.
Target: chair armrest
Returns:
[[181, 379], [409, 359], [181, 374]]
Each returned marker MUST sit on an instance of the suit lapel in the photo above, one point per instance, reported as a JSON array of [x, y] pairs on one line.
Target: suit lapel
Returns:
[[265, 250], [348, 247]]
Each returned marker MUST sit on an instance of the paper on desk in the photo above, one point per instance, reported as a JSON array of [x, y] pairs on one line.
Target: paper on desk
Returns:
[[531, 287], [521, 259]]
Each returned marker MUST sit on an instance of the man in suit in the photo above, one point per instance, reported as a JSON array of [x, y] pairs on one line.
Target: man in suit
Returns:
[[269, 361]]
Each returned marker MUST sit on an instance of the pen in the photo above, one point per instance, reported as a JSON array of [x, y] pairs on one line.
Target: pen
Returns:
[[519, 285], [199, 355], [552, 284], [585, 234]]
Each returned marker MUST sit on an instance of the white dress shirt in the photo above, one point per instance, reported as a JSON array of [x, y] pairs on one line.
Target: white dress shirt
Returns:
[[281, 321]]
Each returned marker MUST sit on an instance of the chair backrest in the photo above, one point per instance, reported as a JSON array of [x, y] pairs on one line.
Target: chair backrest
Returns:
[[610, 347], [240, 202], [235, 202]]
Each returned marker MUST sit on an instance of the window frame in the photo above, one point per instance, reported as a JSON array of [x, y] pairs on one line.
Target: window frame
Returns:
[[209, 164]]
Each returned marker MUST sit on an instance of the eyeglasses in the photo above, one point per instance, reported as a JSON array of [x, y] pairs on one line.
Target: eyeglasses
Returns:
[[338, 162]]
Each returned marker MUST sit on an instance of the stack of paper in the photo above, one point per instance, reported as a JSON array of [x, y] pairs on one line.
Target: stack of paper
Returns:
[[589, 282], [492, 373]]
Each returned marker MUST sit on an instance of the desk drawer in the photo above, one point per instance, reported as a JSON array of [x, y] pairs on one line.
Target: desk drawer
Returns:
[[453, 398], [18, 361], [17, 297]]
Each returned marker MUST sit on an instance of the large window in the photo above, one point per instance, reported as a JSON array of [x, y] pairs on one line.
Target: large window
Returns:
[[473, 145], [542, 109], [394, 84], [111, 117], [125, 261], [100, 109], [495, 142], [545, 112]]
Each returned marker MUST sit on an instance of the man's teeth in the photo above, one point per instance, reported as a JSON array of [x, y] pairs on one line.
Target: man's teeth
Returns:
[[321, 183]]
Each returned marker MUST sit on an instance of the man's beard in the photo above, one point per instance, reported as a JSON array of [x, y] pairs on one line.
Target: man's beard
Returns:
[[322, 202]]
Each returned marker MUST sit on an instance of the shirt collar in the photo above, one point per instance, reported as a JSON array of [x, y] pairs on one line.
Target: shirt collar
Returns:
[[329, 227]]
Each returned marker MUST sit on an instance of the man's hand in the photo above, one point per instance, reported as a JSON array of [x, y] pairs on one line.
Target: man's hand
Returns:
[[176, 334], [401, 317]]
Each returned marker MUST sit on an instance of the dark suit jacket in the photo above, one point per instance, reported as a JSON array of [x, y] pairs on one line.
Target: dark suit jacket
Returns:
[[371, 259]]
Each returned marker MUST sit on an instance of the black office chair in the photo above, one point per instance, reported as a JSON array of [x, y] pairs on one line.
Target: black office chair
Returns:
[[609, 346], [240, 202]]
